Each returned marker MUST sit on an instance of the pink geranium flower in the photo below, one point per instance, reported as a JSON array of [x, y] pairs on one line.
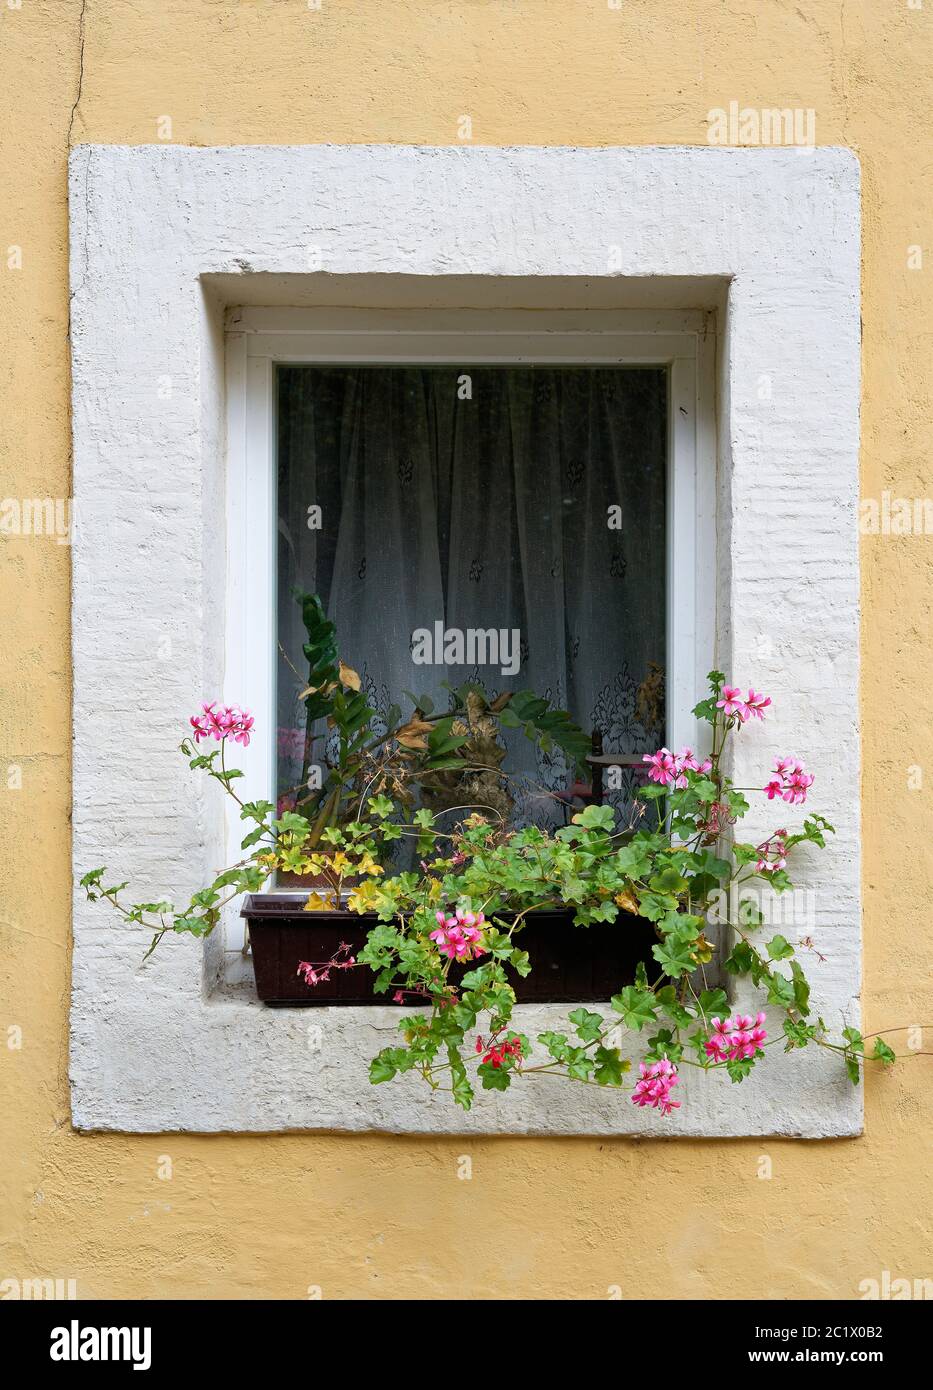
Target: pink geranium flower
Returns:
[[661, 767], [686, 761], [222, 722], [753, 705], [732, 702], [459, 935], [756, 704], [655, 1085], [668, 768], [734, 1039], [791, 781]]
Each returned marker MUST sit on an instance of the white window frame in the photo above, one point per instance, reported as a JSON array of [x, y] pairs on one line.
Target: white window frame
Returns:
[[163, 239], [259, 339]]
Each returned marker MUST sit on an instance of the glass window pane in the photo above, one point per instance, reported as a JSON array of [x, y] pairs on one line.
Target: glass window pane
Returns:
[[503, 525]]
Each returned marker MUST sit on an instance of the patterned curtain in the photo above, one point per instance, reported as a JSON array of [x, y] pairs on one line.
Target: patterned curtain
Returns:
[[485, 498]]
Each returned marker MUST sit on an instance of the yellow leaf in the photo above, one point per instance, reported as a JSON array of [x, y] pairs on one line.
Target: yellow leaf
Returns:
[[702, 950], [349, 677], [317, 903], [365, 897], [627, 901]]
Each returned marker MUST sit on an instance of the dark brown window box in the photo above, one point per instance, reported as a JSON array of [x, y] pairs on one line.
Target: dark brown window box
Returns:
[[569, 964]]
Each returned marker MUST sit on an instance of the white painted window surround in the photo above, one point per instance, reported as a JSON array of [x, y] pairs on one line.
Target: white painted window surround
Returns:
[[662, 243]]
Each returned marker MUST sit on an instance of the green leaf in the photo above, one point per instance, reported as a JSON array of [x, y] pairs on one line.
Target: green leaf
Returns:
[[779, 948], [599, 912], [632, 861], [580, 1067], [464, 1015], [520, 961], [852, 1067], [781, 991], [610, 1068], [705, 862], [674, 957], [742, 959], [596, 818], [636, 1006], [654, 906], [736, 803], [556, 1044], [205, 897], [883, 1053], [714, 1003], [546, 725], [228, 877], [588, 1025], [685, 926], [382, 1068], [668, 881], [293, 824], [462, 1090], [750, 915], [494, 1078], [798, 1034], [801, 988], [664, 1044], [706, 709], [669, 1000]]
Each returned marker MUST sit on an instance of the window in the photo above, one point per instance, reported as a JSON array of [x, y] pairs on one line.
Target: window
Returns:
[[502, 526], [512, 507], [767, 240]]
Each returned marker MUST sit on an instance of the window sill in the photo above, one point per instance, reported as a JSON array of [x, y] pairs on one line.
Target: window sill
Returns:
[[238, 1066]]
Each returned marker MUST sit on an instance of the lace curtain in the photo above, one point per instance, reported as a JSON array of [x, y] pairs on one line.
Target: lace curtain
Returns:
[[484, 498]]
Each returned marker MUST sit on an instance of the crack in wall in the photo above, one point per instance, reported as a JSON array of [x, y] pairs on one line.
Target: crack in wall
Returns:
[[71, 118]]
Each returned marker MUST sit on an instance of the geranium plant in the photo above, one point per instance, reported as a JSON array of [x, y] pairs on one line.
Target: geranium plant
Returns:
[[448, 935]]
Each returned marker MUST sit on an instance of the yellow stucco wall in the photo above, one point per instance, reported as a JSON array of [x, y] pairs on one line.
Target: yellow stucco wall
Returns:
[[259, 1217]]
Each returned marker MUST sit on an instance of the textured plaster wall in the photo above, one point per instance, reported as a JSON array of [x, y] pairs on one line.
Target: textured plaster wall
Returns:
[[269, 1216]]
